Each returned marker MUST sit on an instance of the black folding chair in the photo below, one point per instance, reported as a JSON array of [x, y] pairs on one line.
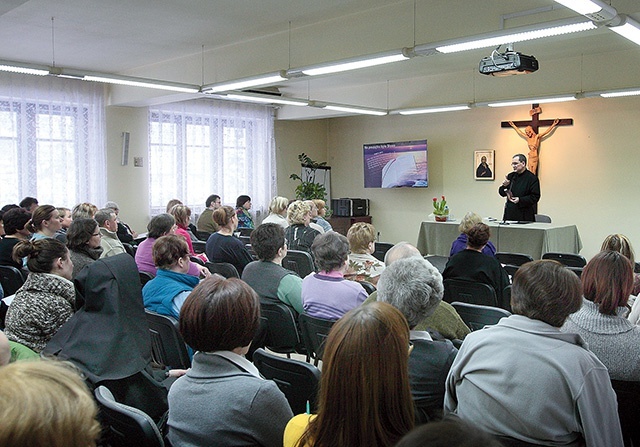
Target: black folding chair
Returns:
[[11, 279], [281, 328], [203, 235], [628, 409], [477, 316], [125, 426], [297, 380], [298, 261], [314, 333], [469, 292], [167, 346], [568, 259], [381, 249], [145, 277], [368, 287], [516, 259], [198, 246], [222, 268]]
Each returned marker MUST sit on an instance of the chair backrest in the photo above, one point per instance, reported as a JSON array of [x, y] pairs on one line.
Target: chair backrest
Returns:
[[199, 246], [125, 426], [576, 270], [167, 346], [469, 292], [477, 316], [130, 249], [439, 262], [245, 239], [568, 259], [297, 380], [145, 277], [510, 269], [203, 235], [314, 333], [628, 410], [196, 260], [516, 259], [368, 287], [298, 261], [282, 334], [11, 279], [245, 231], [381, 249], [222, 268], [542, 218]]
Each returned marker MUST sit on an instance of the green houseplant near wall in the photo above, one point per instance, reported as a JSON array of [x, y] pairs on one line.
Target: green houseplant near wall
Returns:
[[308, 189]]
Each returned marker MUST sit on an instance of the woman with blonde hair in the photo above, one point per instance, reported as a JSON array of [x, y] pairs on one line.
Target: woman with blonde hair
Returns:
[[46, 404], [467, 222], [362, 244], [278, 212], [364, 397], [622, 244], [299, 235], [322, 212]]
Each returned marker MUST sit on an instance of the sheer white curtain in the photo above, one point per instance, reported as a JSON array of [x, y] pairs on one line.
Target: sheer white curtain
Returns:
[[51, 140], [203, 147]]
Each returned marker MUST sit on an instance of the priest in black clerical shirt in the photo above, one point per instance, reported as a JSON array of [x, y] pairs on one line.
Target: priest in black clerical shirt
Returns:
[[522, 190]]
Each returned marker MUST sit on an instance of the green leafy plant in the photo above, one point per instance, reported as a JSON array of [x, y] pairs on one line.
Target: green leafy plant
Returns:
[[308, 189], [440, 207]]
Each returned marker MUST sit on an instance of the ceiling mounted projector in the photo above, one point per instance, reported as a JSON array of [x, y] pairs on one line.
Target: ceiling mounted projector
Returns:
[[508, 63]]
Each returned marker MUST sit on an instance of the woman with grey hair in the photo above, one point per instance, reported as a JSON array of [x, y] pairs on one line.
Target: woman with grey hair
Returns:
[[327, 294], [414, 287]]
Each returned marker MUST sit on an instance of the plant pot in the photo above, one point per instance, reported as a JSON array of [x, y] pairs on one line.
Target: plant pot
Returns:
[[440, 218]]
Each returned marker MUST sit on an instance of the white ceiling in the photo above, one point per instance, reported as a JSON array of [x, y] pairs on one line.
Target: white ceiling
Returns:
[[145, 37]]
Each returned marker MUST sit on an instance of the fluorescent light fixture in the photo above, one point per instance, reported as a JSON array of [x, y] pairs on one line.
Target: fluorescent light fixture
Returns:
[[351, 109], [629, 29], [17, 67], [354, 64], [239, 84], [544, 100], [620, 93], [141, 82], [593, 9], [512, 36], [451, 108], [268, 99]]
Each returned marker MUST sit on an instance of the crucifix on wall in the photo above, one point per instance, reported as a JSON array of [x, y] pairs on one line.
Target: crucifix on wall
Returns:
[[532, 135]]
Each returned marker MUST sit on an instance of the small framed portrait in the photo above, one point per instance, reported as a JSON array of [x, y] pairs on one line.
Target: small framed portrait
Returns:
[[483, 165]]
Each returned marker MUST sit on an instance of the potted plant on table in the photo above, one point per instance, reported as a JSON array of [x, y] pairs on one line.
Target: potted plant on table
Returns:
[[308, 189], [440, 209]]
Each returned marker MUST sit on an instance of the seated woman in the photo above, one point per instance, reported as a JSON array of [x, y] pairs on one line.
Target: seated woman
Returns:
[[222, 400], [15, 223], [84, 210], [322, 212], [222, 246], [364, 397], [166, 293], [606, 284], [46, 404], [65, 223], [471, 265], [47, 298], [159, 226], [524, 379], [327, 294], [622, 244], [467, 222], [182, 215], [362, 243], [313, 209], [278, 212], [83, 241], [243, 205], [299, 235], [45, 221]]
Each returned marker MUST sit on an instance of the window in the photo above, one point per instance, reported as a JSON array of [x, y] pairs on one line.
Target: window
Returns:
[[199, 148], [52, 141]]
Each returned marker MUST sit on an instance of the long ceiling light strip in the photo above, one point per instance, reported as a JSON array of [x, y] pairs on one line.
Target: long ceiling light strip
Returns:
[[439, 109], [358, 110], [140, 82], [239, 84], [621, 93], [519, 36], [593, 9], [542, 100], [18, 67], [354, 64], [267, 99]]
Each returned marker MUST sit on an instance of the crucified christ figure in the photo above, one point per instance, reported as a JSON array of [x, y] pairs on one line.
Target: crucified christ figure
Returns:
[[533, 141]]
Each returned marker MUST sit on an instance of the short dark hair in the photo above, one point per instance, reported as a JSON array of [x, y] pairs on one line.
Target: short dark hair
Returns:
[[160, 225], [212, 198], [220, 315], [521, 157], [478, 235], [15, 219], [40, 253], [79, 233], [266, 240], [607, 280], [27, 202], [167, 250], [546, 291], [241, 200], [330, 250], [223, 215]]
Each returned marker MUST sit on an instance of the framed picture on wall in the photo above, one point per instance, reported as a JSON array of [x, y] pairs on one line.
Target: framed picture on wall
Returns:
[[483, 165]]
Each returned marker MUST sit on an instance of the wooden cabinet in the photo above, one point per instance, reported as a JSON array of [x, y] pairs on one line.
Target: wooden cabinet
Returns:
[[342, 224]]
